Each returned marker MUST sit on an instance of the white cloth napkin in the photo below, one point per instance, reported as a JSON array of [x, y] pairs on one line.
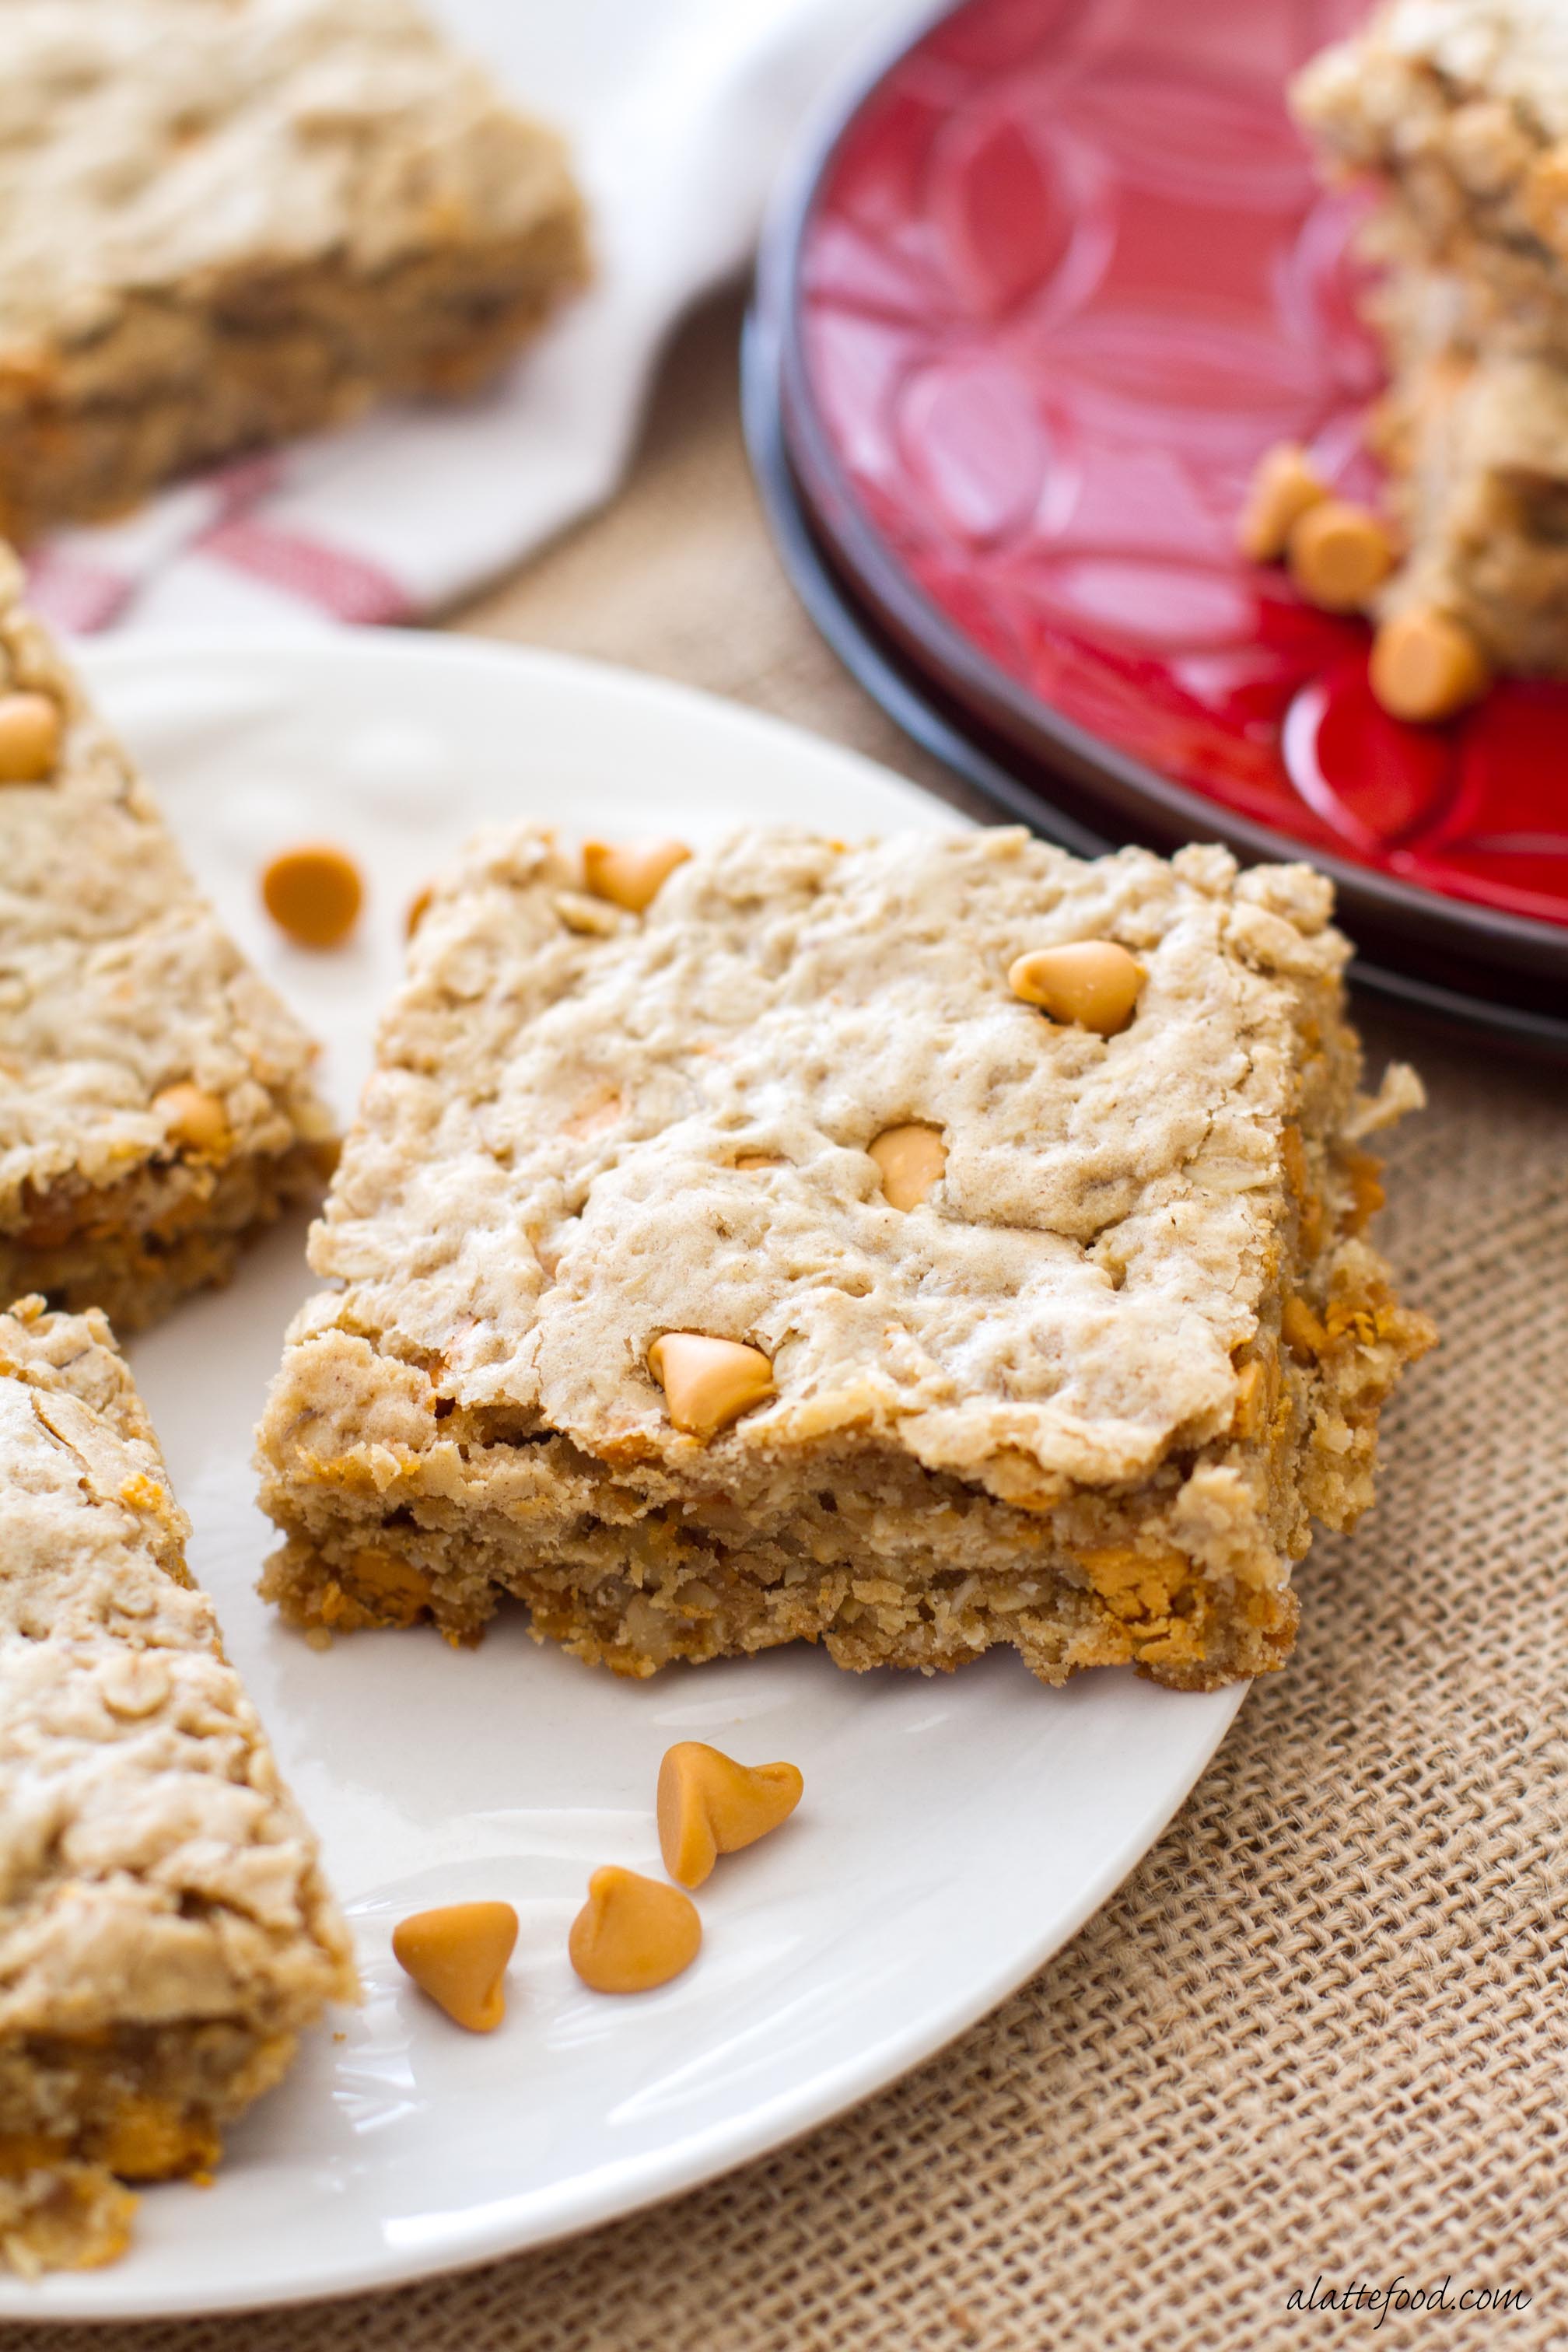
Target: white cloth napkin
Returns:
[[678, 112]]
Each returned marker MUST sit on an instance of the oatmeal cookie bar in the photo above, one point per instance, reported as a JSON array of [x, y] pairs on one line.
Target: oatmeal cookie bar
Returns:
[[223, 222], [1478, 446], [751, 1261], [165, 1929], [156, 1105], [1459, 108]]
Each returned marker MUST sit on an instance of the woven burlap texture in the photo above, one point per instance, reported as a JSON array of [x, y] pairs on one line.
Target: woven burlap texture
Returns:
[[1319, 2034]]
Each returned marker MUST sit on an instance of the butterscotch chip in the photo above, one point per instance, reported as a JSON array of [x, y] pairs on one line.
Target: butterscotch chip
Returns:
[[1283, 487], [1426, 667], [458, 1955], [911, 1160], [393, 1590], [1093, 983], [193, 1118], [752, 1163], [1339, 554], [631, 874], [30, 730], [710, 1805], [314, 893], [707, 1383], [1304, 1334], [633, 1933], [418, 908]]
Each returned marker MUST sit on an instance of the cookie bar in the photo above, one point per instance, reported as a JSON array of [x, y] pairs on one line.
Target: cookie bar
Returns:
[[223, 222], [155, 1103], [1459, 108], [1479, 451], [749, 1261], [164, 1931]]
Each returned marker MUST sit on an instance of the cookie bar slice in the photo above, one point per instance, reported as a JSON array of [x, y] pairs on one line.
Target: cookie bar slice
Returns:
[[221, 225], [746, 1259], [155, 1102], [1459, 111], [1478, 446], [166, 1932]]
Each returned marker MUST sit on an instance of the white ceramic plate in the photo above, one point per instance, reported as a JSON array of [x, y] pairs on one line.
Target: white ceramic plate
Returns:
[[955, 1832]]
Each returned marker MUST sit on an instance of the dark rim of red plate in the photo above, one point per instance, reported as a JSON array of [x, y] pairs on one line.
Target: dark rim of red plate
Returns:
[[938, 650], [872, 659]]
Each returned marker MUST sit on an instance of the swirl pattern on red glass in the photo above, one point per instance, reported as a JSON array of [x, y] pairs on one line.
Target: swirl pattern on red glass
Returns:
[[1068, 273]]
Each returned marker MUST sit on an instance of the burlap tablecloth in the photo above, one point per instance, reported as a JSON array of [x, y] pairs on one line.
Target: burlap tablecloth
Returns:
[[1317, 2039]]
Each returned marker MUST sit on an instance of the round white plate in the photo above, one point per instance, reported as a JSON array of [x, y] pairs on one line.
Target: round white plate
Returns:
[[955, 1830]]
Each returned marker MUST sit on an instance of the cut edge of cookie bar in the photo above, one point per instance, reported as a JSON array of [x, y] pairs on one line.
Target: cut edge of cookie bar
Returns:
[[398, 1503], [166, 1932], [132, 1221]]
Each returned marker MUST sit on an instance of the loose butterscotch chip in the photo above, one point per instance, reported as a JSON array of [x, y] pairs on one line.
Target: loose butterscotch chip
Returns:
[[911, 1160], [30, 730], [1426, 667], [193, 1118], [633, 1933], [710, 1805], [418, 908], [631, 874], [1339, 554], [314, 893], [458, 1955], [707, 1383], [1283, 487], [1093, 984]]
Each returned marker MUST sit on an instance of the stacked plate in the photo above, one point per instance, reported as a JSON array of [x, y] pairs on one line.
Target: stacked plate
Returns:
[[1045, 286]]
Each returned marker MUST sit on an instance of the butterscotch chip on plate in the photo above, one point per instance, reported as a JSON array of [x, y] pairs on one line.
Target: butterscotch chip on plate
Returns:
[[156, 1108], [636, 1315], [222, 226], [165, 1933]]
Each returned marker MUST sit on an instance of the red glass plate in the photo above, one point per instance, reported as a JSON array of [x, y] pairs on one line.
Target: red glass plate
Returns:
[[1059, 277]]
